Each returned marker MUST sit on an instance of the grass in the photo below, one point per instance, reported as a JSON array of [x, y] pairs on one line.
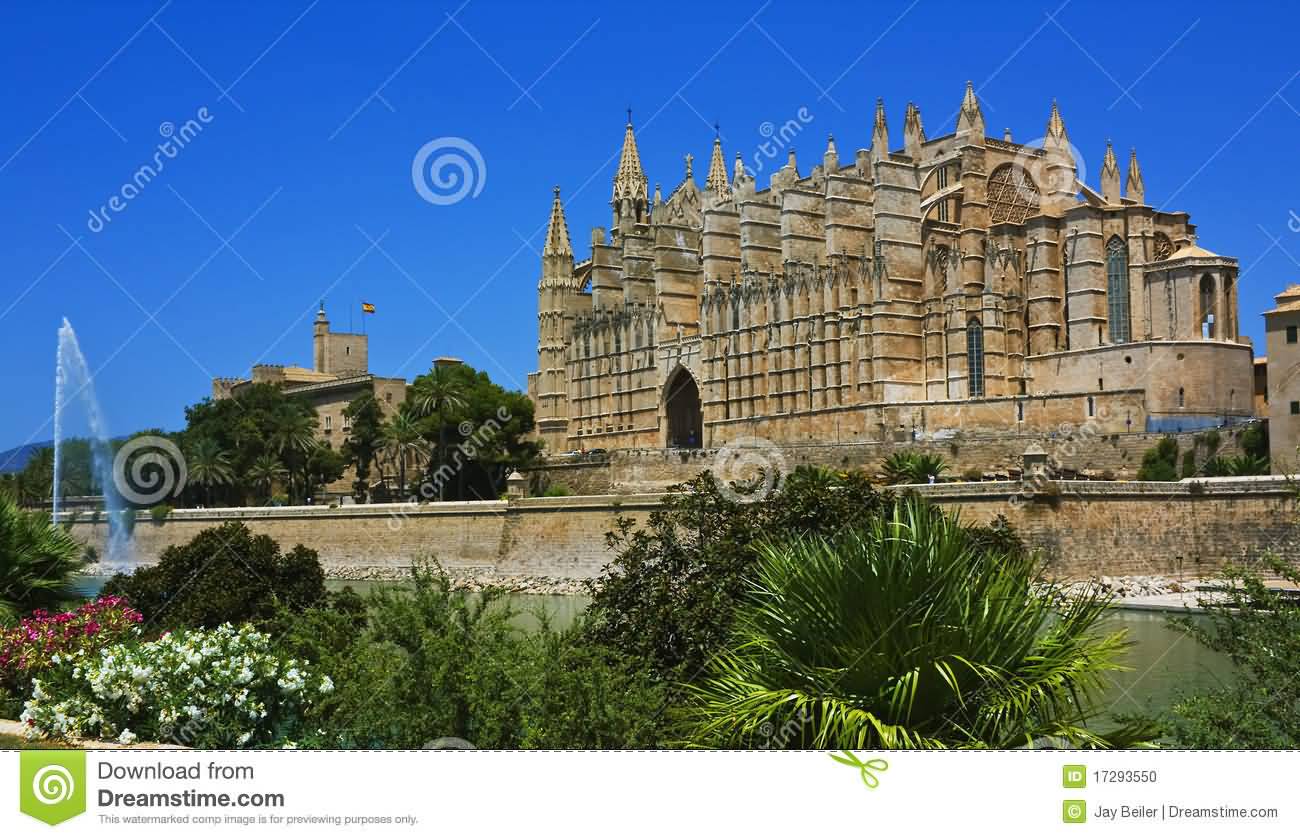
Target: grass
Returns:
[[12, 742]]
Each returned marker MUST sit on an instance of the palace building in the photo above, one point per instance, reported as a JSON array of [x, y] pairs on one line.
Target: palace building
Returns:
[[960, 283]]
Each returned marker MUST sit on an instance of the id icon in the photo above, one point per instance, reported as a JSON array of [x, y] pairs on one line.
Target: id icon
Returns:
[[1074, 776]]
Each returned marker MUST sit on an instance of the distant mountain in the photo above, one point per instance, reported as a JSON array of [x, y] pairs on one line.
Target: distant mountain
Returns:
[[15, 459]]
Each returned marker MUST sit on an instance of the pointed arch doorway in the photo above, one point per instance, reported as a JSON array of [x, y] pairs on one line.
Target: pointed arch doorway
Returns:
[[682, 411]]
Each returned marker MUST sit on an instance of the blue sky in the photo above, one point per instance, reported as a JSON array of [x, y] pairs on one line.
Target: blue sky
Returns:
[[299, 184]]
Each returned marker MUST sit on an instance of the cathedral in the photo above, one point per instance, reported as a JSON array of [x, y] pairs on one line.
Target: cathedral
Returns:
[[960, 283]]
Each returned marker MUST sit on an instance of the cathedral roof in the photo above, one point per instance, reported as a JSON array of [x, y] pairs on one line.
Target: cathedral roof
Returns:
[[630, 180], [1192, 251], [716, 183], [1287, 301]]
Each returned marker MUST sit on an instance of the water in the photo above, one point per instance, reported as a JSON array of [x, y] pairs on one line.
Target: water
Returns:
[[1167, 664], [72, 372]]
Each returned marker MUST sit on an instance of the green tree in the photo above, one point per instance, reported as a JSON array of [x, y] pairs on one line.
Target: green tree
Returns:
[[403, 441], [323, 466], [263, 473], [436, 394], [1160, 462], [364, 440], [208, 466], [903, 632], [293, 439], [37, 560], [1257, 626]]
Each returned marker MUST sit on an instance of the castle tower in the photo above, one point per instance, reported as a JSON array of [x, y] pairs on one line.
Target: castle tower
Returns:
[[554, 305], [913, 131], [1058, 173], [319, 337], [629, 201], [880, 133], [970, 119]]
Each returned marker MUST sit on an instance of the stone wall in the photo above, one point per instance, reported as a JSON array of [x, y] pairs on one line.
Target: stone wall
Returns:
[[1084, 528], [1076, 451]]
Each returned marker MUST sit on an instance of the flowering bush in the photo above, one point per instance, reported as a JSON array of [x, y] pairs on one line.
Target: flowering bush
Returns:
[[31, 647], [218, 688]]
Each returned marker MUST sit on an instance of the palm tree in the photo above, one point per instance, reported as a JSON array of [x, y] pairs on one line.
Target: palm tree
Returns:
[[907, 633], [37, 559], [263, 472], [293, 439], [208, 466], [913, 467], [403, 438], [436, 394]]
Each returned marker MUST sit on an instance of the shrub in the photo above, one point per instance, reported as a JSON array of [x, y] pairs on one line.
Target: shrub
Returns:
[[666, 601], [160, 512], [210, 689], [904, 632], [1189, 464], [913, 467], [1210, 439], [40, 640], [556, 491], [1159, 463], [37, 560], [223, 575], [1258, 629]]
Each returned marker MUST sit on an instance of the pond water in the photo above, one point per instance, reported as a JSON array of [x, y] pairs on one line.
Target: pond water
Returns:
[[1165, 662]]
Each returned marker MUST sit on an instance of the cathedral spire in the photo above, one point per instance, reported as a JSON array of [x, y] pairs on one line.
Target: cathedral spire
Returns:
[[880, 133], [1056, 125], [1133, 187], [716, 182], [831, 159], [557, 230], [913, 131], [1110, 175], [970, 119], [629, 181]]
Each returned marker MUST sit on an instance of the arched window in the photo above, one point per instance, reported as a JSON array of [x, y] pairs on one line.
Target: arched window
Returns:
[[1011, 194], [1209, 318], [1117, 289], [974, 358]]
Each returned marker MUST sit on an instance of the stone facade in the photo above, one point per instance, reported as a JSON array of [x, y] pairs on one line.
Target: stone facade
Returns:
[[1083, 528], [340, 374], [958, 283], [1282, 338]]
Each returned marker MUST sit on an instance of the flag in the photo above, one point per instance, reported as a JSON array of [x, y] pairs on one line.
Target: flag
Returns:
[[368, 308]]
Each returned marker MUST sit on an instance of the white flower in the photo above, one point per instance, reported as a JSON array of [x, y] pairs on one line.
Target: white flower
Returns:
[[326, 684], [244, 738], [127, 737]]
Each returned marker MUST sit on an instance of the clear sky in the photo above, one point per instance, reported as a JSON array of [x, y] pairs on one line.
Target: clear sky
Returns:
[[298, 186]]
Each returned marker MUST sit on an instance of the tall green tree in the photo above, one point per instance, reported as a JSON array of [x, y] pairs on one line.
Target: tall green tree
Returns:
[[905, 632], [208, 466], [364, 440], [293, 438], [436, 394], [263, 473], [403, 441]]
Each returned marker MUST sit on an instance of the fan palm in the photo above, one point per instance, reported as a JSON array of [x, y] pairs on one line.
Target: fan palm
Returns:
[[403, 439], [293, 439], [208, 466], [37, 559], [436, 394], [905, 633], [263, 472], [913, 467]]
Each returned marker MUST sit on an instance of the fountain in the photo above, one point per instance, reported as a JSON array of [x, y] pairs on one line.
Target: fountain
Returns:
[[74, 382]]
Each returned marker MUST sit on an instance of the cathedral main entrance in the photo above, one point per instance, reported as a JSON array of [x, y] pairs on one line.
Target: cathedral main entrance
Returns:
[[682, 407]]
